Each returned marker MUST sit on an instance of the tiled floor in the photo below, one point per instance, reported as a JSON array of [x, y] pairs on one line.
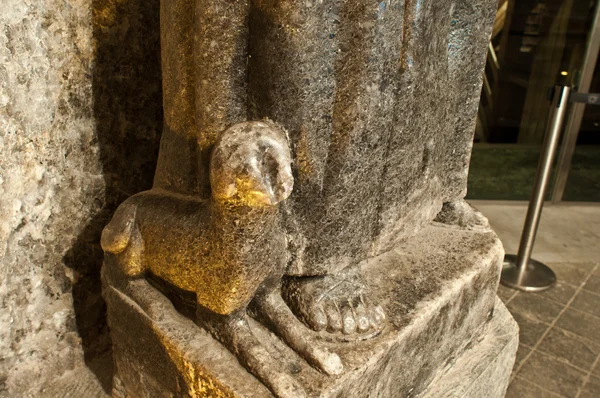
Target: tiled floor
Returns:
[[559, 352]]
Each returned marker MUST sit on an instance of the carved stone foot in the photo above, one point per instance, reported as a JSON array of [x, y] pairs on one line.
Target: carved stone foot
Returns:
[[462, 214], [335, 303], [235, 333]]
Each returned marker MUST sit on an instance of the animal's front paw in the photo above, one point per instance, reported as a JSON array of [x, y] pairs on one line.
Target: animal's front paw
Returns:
[[251, 165]]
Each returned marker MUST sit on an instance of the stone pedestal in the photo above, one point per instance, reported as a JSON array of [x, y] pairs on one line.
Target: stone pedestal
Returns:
[[484, 368], [448, 334]]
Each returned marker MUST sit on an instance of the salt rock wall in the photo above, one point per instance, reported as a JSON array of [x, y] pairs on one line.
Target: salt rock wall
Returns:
[[80, 119]]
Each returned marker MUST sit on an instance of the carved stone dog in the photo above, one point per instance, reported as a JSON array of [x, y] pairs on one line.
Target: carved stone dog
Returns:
[[224, 248]]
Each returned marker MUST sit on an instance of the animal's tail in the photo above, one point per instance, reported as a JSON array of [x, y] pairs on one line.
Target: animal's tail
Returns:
[[116, 235]]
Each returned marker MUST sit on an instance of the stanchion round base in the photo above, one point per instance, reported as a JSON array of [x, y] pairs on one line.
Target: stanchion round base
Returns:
[[537, 276]]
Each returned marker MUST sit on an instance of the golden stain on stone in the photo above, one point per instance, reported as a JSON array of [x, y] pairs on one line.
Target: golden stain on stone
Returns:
[[198, 382]]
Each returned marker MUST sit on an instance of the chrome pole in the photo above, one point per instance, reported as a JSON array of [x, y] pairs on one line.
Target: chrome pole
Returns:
[[521, 271]]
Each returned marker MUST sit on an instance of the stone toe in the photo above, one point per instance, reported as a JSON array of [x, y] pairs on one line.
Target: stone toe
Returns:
[[317, 319], [363, 322], [348, 321], [377, 316], [334, 319]]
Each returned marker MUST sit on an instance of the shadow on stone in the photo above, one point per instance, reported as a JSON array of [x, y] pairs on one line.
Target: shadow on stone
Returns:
[[126, 81]]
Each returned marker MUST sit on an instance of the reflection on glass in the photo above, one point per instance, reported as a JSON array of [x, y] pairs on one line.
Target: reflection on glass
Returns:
[[583, 183], [535, 44]]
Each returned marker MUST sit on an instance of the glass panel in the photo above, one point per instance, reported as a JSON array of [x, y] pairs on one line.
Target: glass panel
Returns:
[[583, 183], [535, 44]]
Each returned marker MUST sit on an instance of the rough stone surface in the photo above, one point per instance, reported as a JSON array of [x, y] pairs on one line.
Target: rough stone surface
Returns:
[[45, 122], [379, 99], [438, 290], [484, 368], [80, 118], [91, 381], [379, 103]]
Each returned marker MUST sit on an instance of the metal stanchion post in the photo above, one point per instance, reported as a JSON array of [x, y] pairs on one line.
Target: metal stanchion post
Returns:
[[520, 271]]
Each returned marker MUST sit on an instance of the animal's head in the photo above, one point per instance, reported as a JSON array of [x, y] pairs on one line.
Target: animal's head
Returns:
[[251, 165]]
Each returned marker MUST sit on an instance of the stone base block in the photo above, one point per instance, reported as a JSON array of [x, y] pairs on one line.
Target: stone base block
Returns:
[[484, 368], [438, 290]]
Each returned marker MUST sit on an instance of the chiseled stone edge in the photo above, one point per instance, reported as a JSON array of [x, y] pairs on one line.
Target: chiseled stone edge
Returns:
[[484, 368], [158, 352]]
